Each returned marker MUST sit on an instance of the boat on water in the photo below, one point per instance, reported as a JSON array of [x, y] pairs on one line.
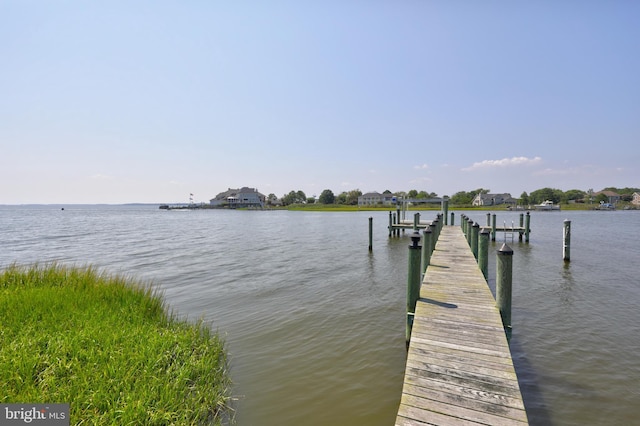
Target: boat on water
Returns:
[[547, 206], [605, 206]]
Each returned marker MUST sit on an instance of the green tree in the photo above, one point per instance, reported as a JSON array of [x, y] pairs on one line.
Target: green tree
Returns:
[[412, 193], [294, 197], [327, 197], [541, 195], [352, 197], [341, 198], [461, 198], [524, 199], [573, 195]]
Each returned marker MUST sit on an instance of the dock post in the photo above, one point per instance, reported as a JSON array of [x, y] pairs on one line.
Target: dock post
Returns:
[[426, 249], [452, 216], [398, 220], [434, 236], [463, 219], [469, 231], [504, 278], [527, 227], [488, 219], [521, 226], [416, 221], [436, 233], [483, 252], [445, 209], [413, 281], [370, 233], [493, 228], [566, 241], [474, 239], [395, 230]]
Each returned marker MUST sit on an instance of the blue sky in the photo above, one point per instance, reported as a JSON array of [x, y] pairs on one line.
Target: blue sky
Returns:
[[149, 101]]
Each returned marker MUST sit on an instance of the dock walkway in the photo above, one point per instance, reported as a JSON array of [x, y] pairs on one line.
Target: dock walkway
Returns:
[[459, 369]]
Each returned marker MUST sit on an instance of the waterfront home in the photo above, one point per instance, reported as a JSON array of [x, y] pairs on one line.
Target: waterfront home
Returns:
[[375, 198], [493, 199], [635, 200], [612, 197], [239, 198]]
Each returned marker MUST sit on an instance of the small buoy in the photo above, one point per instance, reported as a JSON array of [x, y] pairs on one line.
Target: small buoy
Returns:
[[63, 208]]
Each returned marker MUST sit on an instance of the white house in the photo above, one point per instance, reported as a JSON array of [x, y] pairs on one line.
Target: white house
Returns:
[[375, 198], [493, 199]]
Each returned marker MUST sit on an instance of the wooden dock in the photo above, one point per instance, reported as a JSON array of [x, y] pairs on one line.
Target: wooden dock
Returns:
[[459, 369]]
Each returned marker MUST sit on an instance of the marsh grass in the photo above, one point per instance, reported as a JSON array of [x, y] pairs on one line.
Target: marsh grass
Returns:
[[108, 346]]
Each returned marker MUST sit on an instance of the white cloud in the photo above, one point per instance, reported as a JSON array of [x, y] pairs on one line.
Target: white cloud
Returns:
[[422, 167], [505, 162]]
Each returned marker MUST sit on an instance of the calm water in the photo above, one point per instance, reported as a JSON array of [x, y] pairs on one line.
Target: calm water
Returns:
[[314, 323]]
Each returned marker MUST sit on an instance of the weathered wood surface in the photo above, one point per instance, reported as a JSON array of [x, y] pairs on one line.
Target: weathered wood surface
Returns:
[[459, 369]]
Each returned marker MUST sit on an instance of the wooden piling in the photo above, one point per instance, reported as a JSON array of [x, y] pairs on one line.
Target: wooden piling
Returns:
[[504, 278], [452, 217], [566, 241], [475, 228], [445, 209], [527, 227], [493, 227], [370, 233], [521, 226], [483, 252], [416, 221], [432, 227], [413, 281], [426, 249]]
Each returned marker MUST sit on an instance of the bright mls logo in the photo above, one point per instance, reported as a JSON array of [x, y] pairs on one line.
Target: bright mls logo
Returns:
[[38, 414]]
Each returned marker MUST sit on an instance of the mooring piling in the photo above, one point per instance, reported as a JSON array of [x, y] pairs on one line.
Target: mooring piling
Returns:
[[493, 227], [413, 281], [566, 241], [504, 277], [445, 208], [426, 249], [370, 233], [475, 228], [483, 252]]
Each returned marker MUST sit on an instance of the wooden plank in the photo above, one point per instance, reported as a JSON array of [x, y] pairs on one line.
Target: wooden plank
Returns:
[[459, 368]]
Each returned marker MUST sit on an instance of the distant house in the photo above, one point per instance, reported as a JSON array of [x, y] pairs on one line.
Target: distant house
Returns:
[[239, 198], [493, 199], [375, 198], [635, 200], [612, 197]]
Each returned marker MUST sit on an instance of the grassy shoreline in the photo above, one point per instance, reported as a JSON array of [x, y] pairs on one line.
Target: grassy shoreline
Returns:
[[427, 207], [108, 346]]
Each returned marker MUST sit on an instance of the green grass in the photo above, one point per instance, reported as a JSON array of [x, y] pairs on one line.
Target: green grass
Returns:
[[106, 345]]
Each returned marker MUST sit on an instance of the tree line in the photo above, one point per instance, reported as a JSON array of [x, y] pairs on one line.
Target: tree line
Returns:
[[460, 198]]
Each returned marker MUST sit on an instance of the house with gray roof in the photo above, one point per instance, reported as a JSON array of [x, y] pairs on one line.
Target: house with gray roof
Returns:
[[375, 198], [493, 199], [244, 197]]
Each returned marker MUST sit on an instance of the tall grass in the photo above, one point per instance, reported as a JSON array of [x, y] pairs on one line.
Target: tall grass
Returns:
[[106, 345]]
